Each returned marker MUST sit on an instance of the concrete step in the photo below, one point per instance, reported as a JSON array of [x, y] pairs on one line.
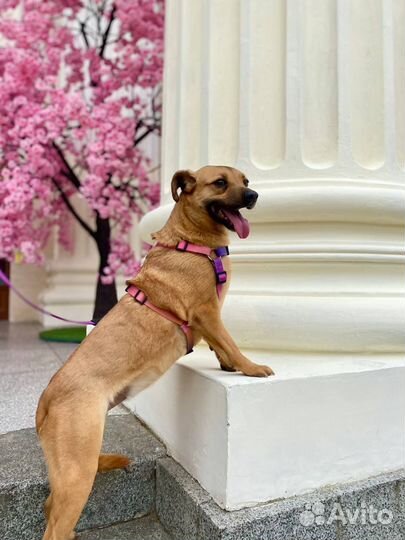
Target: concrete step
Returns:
[[147, 528], [372, 509], [117, 496], [157, 499]]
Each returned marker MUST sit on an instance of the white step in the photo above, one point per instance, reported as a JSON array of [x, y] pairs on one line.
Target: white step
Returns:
[[322, 420]]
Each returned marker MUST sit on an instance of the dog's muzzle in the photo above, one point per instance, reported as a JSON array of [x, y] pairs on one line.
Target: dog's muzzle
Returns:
[[250, 198]]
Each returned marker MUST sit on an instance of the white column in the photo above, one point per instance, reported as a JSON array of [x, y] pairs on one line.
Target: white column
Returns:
[[313, 118], [71, 277], [306, 98], [30, 281]]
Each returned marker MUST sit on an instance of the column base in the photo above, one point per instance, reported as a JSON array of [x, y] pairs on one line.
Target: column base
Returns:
[[323, 419], [72, 296]]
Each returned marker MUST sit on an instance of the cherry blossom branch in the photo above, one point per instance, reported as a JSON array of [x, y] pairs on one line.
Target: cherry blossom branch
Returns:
[[125, 187], [84, 34], [107, 31], [70, 174], [69, 205], [154, 120], [154, 169], [145, 134]]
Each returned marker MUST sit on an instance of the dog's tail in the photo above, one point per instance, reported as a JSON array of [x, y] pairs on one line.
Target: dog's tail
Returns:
[[108, 462]]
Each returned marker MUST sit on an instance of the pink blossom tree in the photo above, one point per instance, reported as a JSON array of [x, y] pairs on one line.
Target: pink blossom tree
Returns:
[[79, 91]]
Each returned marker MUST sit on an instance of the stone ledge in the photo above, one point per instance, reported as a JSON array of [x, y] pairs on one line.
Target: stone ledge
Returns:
[[117, 496], [147, 528], [188, 513]]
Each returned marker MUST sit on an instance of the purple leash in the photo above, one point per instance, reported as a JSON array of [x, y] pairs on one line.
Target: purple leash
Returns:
[[4, 278]]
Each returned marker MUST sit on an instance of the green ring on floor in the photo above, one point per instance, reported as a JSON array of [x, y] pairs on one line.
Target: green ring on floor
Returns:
[[69, 334]]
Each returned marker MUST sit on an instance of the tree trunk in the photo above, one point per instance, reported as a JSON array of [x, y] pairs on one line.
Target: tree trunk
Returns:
[[106, 298], [106, 294]]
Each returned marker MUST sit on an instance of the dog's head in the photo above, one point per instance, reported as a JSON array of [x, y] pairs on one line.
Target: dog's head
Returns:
[[216, 193]]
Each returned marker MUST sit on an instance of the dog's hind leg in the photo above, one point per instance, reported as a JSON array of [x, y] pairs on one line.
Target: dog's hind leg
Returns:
[[71, 442]]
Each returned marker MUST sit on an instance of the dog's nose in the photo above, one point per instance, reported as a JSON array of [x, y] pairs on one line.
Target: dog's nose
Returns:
[[250, 198]]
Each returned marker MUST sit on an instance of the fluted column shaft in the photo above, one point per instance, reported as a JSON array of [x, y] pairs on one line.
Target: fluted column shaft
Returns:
[[306, 98]]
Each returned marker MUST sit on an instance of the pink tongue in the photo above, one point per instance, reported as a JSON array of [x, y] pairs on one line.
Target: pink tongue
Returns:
[[240, 224]]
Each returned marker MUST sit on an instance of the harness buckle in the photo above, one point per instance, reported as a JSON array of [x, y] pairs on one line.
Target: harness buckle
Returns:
[[221, 277], [220, 272], [182, 245], [140, 297]]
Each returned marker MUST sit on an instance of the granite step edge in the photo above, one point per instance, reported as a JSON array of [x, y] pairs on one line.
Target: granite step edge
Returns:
[[187, 511], [117, 496]]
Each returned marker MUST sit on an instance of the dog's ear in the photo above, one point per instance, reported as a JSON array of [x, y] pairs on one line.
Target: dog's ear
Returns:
[[185, 180]]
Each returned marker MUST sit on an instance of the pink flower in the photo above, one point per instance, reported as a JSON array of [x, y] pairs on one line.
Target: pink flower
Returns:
[[76, 133]]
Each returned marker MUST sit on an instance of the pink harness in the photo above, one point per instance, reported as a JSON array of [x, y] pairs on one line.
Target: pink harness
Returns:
[[220, 275]]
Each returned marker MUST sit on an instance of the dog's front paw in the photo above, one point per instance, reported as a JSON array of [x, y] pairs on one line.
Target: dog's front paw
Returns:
[[227, 368], [257, 370]]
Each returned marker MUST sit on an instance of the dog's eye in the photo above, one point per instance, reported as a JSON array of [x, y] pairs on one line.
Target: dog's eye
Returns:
[[246, 182], [221, 183]]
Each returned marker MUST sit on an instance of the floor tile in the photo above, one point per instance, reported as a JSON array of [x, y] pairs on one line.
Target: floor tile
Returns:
[[19, 395]]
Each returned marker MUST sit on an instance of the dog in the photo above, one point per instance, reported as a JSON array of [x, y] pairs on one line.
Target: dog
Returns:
[[137, 341]]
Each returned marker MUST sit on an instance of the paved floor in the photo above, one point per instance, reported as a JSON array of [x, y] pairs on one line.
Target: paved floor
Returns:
[[26, 365]]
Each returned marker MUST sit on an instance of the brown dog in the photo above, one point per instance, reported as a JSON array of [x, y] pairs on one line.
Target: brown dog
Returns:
[[132, 346]]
